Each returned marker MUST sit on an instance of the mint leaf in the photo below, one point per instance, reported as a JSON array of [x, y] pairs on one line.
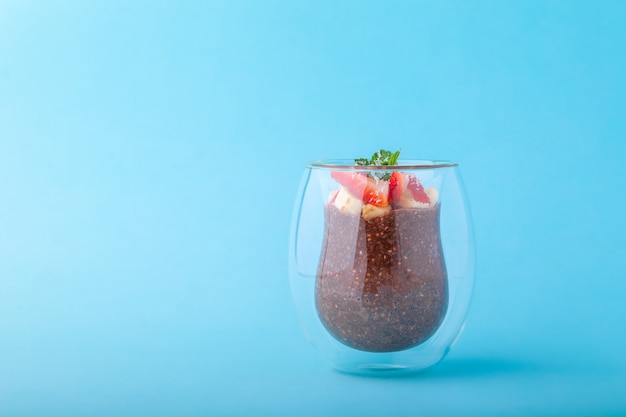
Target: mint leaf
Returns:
[[381, 158], [393, 158]]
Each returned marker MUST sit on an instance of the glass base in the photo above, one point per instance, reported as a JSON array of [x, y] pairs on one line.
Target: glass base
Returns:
[[382, 370], [375, 367]]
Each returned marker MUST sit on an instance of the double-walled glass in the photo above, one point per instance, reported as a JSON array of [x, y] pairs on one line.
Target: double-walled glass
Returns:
[[381, 263]]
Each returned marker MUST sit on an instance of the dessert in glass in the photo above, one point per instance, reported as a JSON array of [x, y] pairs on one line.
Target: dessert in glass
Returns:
[[381, 261]]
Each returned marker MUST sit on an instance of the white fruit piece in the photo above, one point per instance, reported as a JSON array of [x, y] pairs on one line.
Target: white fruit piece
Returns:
[[347, 203], [407, 201]]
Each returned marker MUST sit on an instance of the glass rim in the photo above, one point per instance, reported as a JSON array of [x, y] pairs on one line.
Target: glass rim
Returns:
[[403, 164]]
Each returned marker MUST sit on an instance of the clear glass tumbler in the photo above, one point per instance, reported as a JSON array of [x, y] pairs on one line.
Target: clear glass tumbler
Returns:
[[381, 263]]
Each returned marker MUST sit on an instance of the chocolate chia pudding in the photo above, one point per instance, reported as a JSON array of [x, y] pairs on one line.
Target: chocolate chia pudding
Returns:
[[381, 283]]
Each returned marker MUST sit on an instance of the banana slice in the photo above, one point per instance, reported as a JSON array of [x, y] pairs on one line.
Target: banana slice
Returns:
[[407, 200], [347, 203]]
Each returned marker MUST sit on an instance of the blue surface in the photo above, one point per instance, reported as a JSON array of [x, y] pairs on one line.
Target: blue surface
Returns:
[[150, 153]]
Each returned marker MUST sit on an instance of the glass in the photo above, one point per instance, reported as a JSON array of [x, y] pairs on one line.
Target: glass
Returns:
[[381, 263]]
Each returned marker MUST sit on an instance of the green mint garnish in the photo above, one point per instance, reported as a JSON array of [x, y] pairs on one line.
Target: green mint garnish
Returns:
[[380, 158]]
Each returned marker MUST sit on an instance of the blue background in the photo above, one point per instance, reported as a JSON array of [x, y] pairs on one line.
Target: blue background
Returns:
[[150, 155]]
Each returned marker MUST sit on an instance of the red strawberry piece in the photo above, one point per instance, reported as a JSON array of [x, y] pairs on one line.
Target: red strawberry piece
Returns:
[[417, 190], [369, 190], [397, 186]]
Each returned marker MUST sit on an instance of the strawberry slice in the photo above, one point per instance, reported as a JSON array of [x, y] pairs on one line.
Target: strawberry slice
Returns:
[[369, 190], [397, 186], [417, 190]]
